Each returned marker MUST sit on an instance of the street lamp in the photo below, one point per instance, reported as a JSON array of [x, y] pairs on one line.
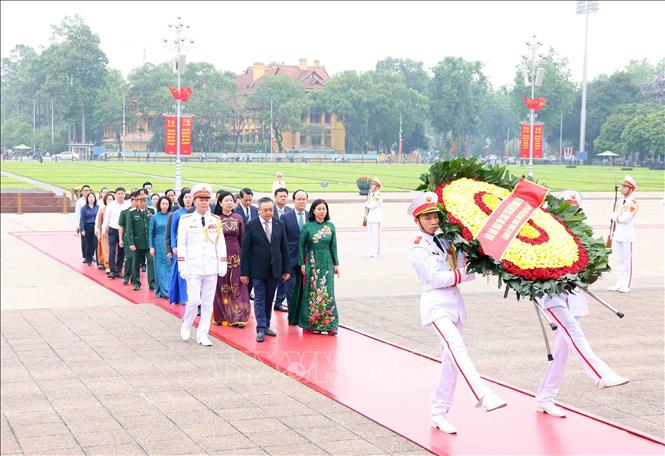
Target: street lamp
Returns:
[[533, 77], [178, 42], [585, 7]]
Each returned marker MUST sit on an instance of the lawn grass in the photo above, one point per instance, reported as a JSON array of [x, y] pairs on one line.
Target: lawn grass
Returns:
[[9, 183], [340, 177]]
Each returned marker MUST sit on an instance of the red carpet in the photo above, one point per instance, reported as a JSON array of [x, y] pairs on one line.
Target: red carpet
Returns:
[[389, 384]]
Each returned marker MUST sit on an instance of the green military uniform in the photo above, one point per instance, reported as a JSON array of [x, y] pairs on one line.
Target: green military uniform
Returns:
[[138, 223], [129, 255]]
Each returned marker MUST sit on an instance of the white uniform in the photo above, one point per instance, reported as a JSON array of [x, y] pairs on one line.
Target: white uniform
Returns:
[[442, 308], [565, 310], [624, 236], [201, 258], [374, 207]]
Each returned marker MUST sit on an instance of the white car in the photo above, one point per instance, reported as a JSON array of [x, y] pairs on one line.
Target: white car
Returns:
[[66, 156]]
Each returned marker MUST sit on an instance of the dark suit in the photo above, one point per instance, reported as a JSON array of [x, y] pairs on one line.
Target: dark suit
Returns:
[[292, 229], [253, 211], [281, 286], [265, 263]]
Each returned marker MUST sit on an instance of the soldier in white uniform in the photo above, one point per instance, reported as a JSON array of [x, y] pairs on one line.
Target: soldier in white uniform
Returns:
[[440, 269], [624, 235], [374, 207], [201, 258], [566, 310]]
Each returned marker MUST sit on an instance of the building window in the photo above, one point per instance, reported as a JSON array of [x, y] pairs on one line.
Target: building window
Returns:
[[327, 140], [316, 139], [303, 117], [327, 118], [316, 117]]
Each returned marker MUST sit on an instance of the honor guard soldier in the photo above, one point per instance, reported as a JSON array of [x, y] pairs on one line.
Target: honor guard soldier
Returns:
[[440, 269], [123, 221], [201, 258], [566, 310], [624, 234], [374, 207], [137, 227]]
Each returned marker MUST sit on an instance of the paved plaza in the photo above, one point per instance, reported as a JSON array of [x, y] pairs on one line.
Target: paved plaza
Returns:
[[86, 372]]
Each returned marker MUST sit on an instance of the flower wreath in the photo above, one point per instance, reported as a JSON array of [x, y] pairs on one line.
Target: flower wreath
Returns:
[[553, 252]]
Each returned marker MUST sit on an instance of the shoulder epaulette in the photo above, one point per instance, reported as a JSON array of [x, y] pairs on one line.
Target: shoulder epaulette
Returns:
[[215, 216], [131, 209], [417, 240], [186, 215]]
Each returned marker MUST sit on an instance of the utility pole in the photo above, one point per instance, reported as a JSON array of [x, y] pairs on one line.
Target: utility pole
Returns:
[[52, 124], [535, 78], [272, 130], [178, 28], [34, 123], [401, 141], [124, 125], [585, 7]]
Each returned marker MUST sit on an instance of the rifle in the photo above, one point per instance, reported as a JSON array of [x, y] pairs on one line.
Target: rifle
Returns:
[[366, 209], [613, 223]]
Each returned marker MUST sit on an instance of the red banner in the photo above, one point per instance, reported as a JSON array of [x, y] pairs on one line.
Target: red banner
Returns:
[[185, 135], [537, 140], [509, 217]]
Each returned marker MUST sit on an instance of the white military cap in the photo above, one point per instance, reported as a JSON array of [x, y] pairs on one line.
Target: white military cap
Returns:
[[423, 203], [377, 182], [204, 190], [570, 196], [630, 182]]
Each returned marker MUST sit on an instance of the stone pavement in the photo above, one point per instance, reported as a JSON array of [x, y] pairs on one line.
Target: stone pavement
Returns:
[[85, 372]]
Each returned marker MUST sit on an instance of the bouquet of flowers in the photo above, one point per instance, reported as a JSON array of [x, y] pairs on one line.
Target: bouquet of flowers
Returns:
[[553, 252]]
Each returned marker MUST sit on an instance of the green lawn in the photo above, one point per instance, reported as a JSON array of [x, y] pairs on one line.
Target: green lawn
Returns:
[[340, 177], [9, 183]]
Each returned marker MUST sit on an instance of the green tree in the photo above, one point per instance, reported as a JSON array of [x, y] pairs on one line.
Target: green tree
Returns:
[[347, 96], [415, 76], [633, 128], [456, 94], [499, 120], [289, 101]]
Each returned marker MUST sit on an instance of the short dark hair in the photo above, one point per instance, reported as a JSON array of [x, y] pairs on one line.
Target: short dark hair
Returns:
[[102, 189], [299, 190], [85, 186], [106, 198], [280, 190], [146, 183], [183, 192], [246, 191], [120, 189], [264, 199], [220, 196], [94, 196], [159, 203], [169, 190], [311, 217]]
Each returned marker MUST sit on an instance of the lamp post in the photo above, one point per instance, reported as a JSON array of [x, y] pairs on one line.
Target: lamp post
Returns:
[[585, 7], [178, 42], [533, 77]]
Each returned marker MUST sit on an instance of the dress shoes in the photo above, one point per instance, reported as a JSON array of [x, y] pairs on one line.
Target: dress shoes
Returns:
[[203, 340], [491, 402], [184, 333], [136, 287], [442, 423], [260, 337], [271, 333], [550, 409], [609, 381], [614, 288], [281, 308], [624, 290], [125, 282]]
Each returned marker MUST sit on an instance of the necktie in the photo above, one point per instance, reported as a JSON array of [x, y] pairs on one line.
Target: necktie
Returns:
[[301, 219], [203, 221], [439, 244], [247, 212], [267, 229]]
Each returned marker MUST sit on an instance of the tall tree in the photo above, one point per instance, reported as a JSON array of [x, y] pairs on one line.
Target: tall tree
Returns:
[[288, 103], [415, 76], [456, 93]]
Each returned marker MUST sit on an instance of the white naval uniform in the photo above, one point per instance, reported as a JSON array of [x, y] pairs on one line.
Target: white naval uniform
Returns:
[[374, 207], [565, 310], [442, 308], [201, 258], [624, 236]]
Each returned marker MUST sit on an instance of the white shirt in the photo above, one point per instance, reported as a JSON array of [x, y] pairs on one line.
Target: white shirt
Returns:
[[436, 270], [575, 302], [77, 211], [374, 207], [201, 249], [624, 230], [112, 215]]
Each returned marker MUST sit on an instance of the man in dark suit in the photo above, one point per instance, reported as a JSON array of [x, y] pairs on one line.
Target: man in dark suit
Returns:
[[280, 209], [293, 222], [245, 208], [264, 258]]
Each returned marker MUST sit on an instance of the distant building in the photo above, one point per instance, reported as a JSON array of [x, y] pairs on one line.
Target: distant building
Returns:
[[320, 130]]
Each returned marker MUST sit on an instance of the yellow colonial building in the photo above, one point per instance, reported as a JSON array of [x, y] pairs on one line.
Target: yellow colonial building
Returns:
[[320, 131]]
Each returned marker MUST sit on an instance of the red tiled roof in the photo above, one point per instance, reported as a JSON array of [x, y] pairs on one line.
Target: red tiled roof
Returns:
[[312, 78]]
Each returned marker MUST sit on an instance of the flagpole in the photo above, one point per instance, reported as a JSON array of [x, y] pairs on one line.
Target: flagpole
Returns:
[[401, 142]]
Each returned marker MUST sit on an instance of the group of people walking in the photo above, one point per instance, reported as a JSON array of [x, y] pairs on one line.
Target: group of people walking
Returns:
[[216, 256]]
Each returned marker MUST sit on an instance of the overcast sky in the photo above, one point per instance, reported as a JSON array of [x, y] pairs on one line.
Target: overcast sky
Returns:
[[352, 35]]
